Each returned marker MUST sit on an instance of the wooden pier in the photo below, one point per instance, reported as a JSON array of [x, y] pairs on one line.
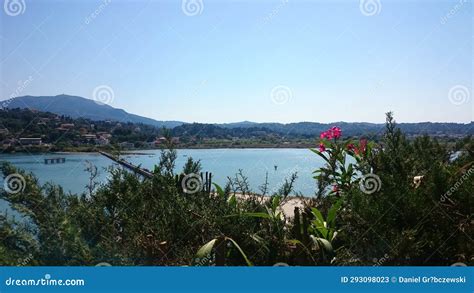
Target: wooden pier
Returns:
[[205, 178], [128, 165], [48, 161]]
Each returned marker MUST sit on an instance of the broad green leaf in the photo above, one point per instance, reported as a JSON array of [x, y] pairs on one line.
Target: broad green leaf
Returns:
[[319, 154], [332, 212], [275, 203], [321, 228], [241, 251], [317, 214], [321, 242], [232, 200], [206, 249], [219, 190]]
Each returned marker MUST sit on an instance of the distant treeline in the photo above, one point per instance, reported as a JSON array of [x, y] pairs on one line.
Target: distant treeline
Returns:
[[16, 123], [311, 129]]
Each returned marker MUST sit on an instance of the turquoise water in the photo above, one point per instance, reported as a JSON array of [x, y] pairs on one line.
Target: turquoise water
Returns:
[[221, 162]]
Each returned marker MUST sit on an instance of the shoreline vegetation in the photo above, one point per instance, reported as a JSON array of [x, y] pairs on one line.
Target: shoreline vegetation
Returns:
[[397, 202], [47, 150], [138, 151], [25, 130]]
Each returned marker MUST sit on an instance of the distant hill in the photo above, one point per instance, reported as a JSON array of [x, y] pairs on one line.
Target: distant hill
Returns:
[[76, 107], [311, 129]]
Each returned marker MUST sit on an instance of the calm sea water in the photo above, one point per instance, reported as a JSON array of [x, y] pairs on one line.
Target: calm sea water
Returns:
[[255, 163]]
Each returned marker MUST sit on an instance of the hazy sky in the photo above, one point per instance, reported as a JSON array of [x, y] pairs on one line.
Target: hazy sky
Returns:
[[227, 61]]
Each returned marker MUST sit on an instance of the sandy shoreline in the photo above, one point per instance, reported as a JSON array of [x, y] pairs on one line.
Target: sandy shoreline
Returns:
[[288, 207]]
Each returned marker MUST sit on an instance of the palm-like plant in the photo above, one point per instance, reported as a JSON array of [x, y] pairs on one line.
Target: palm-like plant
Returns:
[[323, 232]]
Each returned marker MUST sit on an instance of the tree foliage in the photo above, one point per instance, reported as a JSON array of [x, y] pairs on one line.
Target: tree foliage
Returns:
[[132, 221]]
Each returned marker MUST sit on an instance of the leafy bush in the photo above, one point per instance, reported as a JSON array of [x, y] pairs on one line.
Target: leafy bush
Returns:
[[369, 208]]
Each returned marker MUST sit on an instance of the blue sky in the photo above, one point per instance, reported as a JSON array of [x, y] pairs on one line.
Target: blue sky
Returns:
[[279, 61]]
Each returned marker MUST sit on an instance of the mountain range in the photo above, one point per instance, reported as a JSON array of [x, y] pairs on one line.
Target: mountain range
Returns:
[[75, 107]]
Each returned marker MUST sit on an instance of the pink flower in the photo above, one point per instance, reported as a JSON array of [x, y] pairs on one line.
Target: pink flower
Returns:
[[335, 188], [361, 149], [351, 147], [336, 132], [322, 148], [326, 134]]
